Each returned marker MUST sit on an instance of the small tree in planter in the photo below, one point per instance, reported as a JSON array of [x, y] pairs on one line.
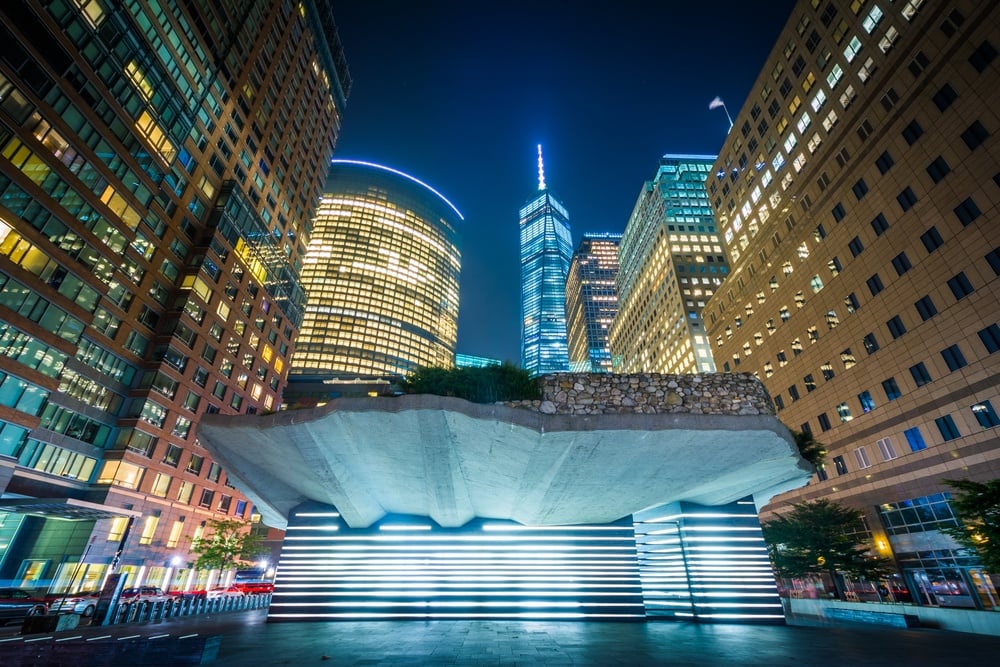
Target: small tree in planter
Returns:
[[818, 537], [977, 506]]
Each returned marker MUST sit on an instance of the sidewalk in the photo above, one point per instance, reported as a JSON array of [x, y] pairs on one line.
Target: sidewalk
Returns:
[[246, 639]]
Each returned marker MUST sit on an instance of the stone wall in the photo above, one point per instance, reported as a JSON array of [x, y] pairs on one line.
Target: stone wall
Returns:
[[604, 393]]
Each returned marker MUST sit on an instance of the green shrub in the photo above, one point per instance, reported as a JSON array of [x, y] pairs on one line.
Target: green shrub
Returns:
[[479, 385]]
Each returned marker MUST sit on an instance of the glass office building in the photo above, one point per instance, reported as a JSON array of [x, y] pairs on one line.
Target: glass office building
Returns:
[[672, 262], [159, 166], [382, 273], [546, 249], [592, 302]]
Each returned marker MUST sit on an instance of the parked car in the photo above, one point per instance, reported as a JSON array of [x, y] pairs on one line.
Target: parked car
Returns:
[[150, 594], [187, 595], [224, 593], [16, 603], [255, 587], [82, 602]]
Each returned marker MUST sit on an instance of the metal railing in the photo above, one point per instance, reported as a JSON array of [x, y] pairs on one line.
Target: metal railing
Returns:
[[144, 611]]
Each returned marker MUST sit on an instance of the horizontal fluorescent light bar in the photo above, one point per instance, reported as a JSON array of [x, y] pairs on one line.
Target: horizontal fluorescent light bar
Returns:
[[513, 528], [441, 615], [481, 539], [523, 604]]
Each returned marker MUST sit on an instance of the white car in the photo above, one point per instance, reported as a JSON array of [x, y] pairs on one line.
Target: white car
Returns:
[[83, 603], [150, 594], [224, 593]]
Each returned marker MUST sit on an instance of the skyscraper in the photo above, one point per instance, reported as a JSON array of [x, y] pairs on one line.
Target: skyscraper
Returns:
[[592, 302], [160, 164], [382, 271], [858, 198], [671, 263], [546, 248]]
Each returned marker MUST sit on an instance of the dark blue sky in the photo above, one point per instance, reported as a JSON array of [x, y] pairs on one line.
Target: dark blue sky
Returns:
[[458, 94]]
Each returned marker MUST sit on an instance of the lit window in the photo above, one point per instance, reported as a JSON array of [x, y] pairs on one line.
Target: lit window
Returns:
[[853, 47], [870, 21], [985, 414], [148, 529]]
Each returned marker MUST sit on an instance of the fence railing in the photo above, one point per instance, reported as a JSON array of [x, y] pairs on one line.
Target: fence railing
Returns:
[[144, 611]]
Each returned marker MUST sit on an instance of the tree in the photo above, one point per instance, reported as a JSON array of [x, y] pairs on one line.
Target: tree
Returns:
[[819, 537], [227, 544], [479, 385], [809, 448], [977, 506]]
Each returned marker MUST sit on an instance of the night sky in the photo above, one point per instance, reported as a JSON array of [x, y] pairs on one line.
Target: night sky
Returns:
[[459, 93]]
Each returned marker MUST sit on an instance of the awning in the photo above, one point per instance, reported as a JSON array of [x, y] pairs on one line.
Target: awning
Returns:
[[68, 509]]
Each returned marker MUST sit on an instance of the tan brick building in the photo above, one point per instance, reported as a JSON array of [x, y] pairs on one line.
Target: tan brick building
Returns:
[[857, 195]]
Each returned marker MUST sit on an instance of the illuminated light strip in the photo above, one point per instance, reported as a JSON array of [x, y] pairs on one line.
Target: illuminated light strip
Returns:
[[548, 570], [728, 529], [723, 539], [476, 573], [433, 541], [436, 593], [438, 571], [524, 615], [395, 527], [349, 582], [481, 578], [524, 604], [296, 588], [709, 594], [404, 175], [288, 588], [734, 616], [701, 515], [484, 539], [738, 605], [511, 528], [423, 548]]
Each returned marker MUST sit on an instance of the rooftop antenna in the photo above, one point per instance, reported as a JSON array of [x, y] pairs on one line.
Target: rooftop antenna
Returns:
[[541, 169]]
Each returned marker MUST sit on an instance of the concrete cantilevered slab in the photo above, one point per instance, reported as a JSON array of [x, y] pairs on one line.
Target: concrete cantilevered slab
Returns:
[[453, 460]]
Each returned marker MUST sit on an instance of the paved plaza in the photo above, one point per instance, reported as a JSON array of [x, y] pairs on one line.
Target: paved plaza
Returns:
[[247, 640], [598, 644]]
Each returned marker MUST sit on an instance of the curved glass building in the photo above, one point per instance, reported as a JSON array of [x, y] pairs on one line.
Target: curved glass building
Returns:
[[381, 272]]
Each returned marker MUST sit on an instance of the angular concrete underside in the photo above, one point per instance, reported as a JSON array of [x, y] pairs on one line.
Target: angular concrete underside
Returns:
[[453, 460]]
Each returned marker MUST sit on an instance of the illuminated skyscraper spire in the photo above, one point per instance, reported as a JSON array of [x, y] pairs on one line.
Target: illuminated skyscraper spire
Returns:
[[541, 169], [546, 249]]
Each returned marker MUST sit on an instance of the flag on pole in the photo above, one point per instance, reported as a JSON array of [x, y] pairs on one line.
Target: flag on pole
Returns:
[[716, 103]]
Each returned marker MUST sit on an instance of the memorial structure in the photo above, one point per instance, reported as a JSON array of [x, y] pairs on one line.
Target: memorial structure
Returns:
[[612, 497]]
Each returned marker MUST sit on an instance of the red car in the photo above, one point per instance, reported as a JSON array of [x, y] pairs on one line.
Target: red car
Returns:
[[255, 587], [15, 604]]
